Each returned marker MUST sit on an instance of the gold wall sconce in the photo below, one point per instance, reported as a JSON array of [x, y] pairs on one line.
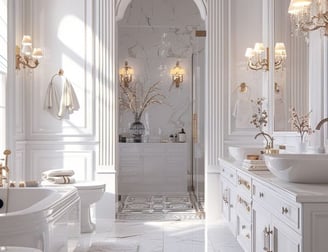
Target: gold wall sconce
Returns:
[[309, 15], [26, 56], [177, 73], [258, 57], [126, 74]]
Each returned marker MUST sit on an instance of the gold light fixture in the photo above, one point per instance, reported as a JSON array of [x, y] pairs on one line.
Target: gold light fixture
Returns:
[[309, 15], [258, 57], [177, 73], [126, 74], [26, 56]]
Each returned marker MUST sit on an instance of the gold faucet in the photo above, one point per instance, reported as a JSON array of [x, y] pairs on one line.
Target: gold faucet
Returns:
[[269, 143], [4, 177], [321, 148], [321, 122]]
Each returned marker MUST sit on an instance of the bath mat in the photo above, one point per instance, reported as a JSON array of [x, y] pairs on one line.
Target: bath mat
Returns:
[[157, 207]]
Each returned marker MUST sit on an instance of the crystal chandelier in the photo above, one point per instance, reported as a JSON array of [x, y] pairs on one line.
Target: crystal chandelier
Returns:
[[309, 15]]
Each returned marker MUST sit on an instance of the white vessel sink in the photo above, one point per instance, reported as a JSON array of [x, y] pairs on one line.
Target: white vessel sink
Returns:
[[239, 153], [299, 168]]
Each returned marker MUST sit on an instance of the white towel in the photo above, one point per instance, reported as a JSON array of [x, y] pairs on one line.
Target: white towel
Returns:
[[114, 246], [68, 101], [61, 180], [51, 102], [57, 173]]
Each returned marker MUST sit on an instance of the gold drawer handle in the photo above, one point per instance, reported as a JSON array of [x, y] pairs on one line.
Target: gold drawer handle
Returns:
[[245, 203], [284, 210], [244, 183]]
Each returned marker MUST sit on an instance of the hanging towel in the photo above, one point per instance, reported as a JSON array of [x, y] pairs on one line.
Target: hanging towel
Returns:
[[51, 102], [68, 102]]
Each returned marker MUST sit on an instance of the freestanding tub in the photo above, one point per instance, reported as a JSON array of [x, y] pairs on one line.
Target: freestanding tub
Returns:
[[39, 217]]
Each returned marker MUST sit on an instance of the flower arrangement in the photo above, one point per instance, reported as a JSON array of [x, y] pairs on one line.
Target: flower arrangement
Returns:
[[300, 123], [129, 99], [260, 117]]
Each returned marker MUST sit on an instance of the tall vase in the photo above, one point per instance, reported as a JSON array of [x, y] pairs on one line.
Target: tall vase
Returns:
[[301, 146], [137, 129]]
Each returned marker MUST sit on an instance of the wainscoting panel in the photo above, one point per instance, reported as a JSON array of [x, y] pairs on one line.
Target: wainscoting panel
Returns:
[[79, 158]]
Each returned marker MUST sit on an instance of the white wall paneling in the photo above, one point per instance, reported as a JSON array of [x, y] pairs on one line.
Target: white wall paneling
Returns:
[[44, 157], [64, 30], [243, 16]]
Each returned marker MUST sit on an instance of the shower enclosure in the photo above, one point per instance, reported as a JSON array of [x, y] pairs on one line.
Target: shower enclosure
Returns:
[[198, 111]]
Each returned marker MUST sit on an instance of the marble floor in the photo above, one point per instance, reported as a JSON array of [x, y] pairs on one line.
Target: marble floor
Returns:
[[161, 236]]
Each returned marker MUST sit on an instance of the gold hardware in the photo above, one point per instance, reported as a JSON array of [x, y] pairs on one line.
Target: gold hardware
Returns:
[[244, 183], [194, 128], [5, 168], [245, 203], [266, 239]]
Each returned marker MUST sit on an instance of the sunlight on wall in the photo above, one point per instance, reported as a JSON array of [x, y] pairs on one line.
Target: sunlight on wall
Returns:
[[71, 32], [3, 71]]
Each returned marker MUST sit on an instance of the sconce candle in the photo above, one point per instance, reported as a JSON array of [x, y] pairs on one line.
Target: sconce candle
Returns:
[[29, 58], [177, 73], [257, 60], [126, 74]]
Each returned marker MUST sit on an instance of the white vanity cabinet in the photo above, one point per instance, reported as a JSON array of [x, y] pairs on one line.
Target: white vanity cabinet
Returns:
[[276, 221], [228, 188], [244, 210], [275, 216]]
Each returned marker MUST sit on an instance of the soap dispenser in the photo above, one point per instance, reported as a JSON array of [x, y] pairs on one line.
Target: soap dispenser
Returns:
[[182, 136]]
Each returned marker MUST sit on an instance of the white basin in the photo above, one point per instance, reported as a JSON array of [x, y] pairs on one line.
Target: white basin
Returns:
[[299, 168], [239, 153]]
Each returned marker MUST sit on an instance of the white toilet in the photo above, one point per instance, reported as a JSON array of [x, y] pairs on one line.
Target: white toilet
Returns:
[[90, 192]]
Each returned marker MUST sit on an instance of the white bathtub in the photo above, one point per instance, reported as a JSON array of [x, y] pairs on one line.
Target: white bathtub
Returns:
[[39, 217]]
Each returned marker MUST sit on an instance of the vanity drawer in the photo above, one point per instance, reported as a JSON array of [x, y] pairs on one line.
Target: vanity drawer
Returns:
[[229, 173], [244, 183], [244, 233], [287, 211]]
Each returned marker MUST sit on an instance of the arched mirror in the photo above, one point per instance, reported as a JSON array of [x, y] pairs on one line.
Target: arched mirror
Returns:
[[291, 82]]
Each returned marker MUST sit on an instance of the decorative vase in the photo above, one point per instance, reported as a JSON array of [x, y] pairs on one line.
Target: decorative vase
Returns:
[[137, 129], [301, 147]]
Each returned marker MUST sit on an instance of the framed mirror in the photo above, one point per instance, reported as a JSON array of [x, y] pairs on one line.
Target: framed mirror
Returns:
[[291, 82]]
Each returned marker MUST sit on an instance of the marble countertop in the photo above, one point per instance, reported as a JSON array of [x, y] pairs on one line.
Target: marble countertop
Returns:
[[302, 193]]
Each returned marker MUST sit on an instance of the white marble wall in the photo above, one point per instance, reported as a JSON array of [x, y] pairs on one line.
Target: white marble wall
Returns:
[[152, 37]]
